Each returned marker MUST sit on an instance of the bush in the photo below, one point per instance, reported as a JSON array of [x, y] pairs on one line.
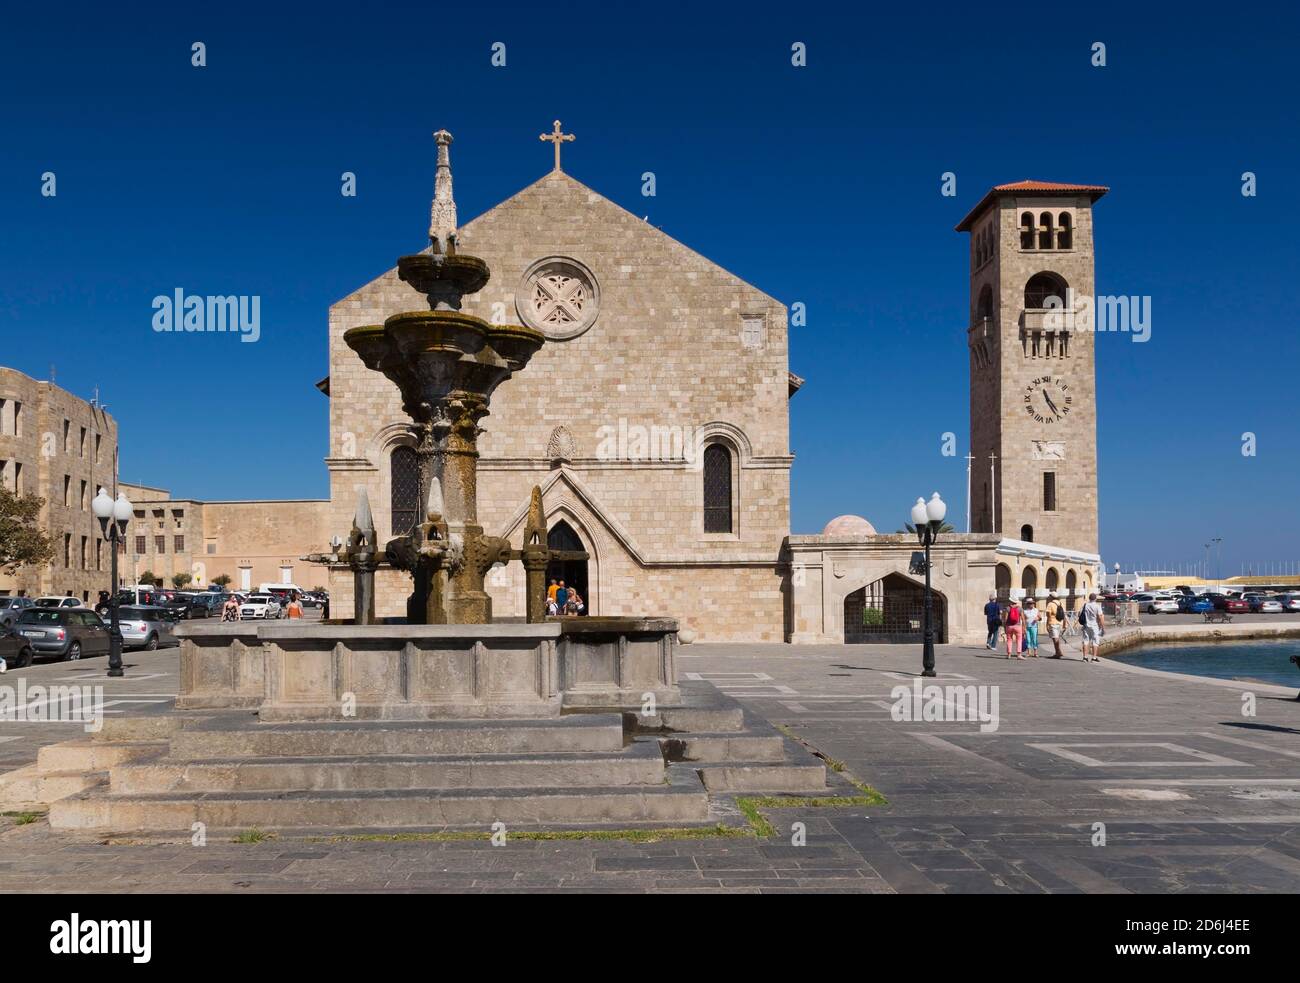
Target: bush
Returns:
[[872, 617]]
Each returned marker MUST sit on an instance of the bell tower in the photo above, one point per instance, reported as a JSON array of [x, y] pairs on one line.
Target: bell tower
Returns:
[[1033, 410]]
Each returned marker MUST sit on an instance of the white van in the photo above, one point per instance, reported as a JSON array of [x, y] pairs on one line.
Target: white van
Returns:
[[281, 592]]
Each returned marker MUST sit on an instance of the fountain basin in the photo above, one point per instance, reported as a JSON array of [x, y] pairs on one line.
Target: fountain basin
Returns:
[[295, 670]]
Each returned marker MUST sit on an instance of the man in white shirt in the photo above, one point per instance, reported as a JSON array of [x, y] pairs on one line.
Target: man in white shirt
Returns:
[[1094, 626]]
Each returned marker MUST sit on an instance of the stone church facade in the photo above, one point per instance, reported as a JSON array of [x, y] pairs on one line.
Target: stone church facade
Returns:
[[656, 421], [655, 417]]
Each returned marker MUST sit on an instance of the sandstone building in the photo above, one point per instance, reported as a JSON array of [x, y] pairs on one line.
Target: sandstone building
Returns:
[[60, 448], [656, 421], [252, 542]]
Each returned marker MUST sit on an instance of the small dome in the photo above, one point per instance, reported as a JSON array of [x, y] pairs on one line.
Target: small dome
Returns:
[[849, 525]]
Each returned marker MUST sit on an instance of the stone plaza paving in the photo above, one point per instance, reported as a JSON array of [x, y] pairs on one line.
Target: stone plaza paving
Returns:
[[1194, 796]]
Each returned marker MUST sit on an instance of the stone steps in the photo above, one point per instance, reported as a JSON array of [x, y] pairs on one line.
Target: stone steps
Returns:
[[92, 755], [32, 788], [398, 809], [219, 739], [725, 747], [764, 776], [639, 764]]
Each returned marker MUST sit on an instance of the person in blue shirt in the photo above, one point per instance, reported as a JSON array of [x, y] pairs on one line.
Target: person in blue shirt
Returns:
[[993, 618], [561, 597]]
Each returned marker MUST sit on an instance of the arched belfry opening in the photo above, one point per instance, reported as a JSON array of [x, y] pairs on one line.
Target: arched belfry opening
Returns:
[[573, 572]]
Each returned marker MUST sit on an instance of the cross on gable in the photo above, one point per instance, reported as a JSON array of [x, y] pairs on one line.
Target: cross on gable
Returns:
[[557, 138]]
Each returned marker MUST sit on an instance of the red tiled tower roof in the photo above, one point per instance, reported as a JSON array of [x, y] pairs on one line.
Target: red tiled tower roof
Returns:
[[1030, 188]]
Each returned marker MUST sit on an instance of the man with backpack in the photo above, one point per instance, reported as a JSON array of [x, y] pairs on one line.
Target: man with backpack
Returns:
[[1094, 626], [993, 620], [1055, 612]]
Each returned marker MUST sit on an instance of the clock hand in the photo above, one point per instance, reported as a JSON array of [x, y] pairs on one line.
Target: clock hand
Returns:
[[1051, 404]]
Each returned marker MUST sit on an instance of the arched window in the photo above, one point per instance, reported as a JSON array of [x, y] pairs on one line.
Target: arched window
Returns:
[[1070, 581], [984, 309], [1026, 230], [1045, 230], [1052, 580], [1002, 581], [1029, 581], [1026, 533], [404, 496], [1042, 286], [717, 488], [1064, 237]]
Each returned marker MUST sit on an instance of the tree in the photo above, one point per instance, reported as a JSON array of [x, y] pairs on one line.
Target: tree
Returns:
[[22, 541], [943, 527], [179, 580], [151, 578], [223, 580]]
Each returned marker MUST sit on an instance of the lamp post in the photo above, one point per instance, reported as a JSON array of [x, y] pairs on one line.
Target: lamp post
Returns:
[[113, 517], [927, 517]]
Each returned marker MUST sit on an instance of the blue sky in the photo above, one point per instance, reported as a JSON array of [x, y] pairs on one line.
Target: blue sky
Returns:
[[818, 184]]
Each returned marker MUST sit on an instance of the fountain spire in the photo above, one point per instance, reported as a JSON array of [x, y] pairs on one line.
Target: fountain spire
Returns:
[[442, 214]]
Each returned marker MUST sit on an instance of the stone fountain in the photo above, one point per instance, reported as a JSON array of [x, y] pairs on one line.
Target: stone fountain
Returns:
[[446, 364], [450, 718]]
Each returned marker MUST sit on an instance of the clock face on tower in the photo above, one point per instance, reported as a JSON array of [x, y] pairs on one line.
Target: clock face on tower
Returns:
[[1048, 399]]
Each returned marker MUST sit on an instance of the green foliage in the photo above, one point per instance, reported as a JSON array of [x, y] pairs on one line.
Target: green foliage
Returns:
[[179, 580], [223, 580], [872, 617], [150, 578], [22, 541], [943, 527]]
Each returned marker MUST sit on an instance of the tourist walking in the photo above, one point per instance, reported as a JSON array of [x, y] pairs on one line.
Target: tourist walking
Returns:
[[230, 610], [993, 619], [1094, 626], [1055, 612], [1031, 627], [1013, 629], [294, 610]]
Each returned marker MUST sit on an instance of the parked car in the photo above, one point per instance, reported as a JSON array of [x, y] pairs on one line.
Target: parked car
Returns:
[[144, 596], [1270, 605], [53, 601], [1198, 605], [15, 649], [64, 633], [144, 627], [188, 605], [212, 601], [1155, 603], [1220, 601], [260, 606], [1290, 602], [1236, 605], [11, 608]]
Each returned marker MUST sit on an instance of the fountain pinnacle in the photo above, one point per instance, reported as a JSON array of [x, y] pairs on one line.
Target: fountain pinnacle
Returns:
[[446, 364]]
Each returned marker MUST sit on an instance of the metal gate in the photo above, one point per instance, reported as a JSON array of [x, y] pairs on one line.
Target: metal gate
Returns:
[[892, 610]]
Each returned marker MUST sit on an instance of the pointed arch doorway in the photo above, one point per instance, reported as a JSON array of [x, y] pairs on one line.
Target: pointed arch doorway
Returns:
[[571, 571]]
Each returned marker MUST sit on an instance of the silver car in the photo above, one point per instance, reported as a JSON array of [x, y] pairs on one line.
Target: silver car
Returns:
[[144, 627]]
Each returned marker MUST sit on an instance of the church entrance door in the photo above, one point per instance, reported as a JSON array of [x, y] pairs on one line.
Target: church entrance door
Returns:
[[572, 572]]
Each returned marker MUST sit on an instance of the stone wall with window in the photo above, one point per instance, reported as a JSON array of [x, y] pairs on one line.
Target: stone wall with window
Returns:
[[61, 448], [653, 354]]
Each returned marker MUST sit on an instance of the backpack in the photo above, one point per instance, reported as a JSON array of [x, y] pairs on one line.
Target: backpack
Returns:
[[1013, 615], [1082, 618]]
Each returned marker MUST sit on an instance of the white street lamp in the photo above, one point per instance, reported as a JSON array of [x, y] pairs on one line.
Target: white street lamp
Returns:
[[113, 517]]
